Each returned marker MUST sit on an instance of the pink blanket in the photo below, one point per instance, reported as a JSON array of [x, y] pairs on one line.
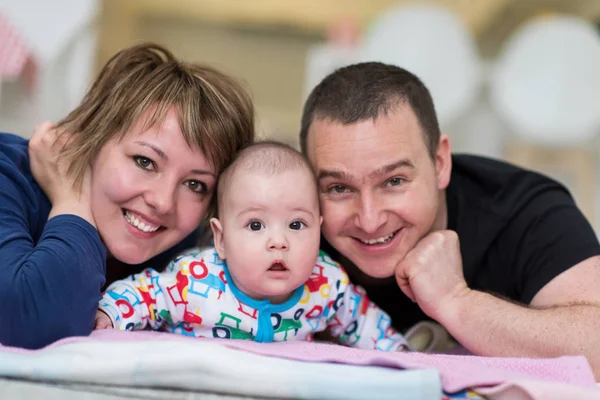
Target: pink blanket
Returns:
[[533, 378]]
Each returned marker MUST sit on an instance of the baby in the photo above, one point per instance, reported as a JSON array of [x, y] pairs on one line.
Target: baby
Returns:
[[265, 278]]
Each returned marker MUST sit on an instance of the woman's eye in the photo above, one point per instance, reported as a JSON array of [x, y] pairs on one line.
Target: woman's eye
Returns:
[[144, 163], [196, 186], [255, 226], [297, 225]]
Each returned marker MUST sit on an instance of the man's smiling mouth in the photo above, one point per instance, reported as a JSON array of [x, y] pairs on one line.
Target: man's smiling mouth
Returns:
[[380, 240]]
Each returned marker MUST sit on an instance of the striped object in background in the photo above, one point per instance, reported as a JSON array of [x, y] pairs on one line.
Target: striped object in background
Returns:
[[14, 51]]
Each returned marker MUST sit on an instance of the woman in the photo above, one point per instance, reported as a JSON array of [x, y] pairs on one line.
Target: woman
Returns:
[[137, 178]]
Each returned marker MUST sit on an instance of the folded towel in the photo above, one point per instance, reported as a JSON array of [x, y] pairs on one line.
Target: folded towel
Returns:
[[530, 378]]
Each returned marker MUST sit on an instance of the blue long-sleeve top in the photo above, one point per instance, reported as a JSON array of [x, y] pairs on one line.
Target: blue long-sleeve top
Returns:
[[51, 271]]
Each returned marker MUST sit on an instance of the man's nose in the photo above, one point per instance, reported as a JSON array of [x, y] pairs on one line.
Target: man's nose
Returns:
[[370, 213], [278, 241]]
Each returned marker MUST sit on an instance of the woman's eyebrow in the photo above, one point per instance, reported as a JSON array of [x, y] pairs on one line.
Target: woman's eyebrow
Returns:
[[203, 172], [162, 155], [158, 151]]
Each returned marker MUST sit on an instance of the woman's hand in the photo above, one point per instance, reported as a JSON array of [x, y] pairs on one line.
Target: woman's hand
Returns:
[[102, 321], [49, 170]]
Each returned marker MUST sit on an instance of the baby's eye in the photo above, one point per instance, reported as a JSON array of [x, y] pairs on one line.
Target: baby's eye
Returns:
[[297, 225], [255, 225]]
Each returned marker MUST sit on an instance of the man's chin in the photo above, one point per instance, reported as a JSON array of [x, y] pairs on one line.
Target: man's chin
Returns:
[[369, 272]]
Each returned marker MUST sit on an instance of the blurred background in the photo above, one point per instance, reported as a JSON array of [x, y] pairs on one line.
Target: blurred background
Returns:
[[512, 79]]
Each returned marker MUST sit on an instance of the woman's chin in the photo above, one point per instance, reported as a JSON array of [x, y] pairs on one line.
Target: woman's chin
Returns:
[[130, 256]]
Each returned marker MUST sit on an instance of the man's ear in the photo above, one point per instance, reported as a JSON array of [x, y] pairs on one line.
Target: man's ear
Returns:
[[217, 229], [443, 162], [321, 220]]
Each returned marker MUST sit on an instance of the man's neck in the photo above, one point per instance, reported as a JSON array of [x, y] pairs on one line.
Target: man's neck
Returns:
[[441, 219]]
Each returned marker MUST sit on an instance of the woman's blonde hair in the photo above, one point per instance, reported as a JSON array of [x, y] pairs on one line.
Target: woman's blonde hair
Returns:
[[215, 112]]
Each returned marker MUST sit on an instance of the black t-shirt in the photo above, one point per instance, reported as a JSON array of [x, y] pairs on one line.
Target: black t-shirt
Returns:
[[518, 230]]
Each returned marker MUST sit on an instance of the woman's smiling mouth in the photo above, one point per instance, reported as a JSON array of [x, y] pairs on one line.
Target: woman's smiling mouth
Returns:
[[140, 223]]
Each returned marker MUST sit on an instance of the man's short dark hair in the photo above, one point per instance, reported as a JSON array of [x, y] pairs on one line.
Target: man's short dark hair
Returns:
[[366, 91]]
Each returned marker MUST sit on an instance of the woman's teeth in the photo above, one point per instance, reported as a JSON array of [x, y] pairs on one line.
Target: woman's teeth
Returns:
[[380, 240], [134, 220]]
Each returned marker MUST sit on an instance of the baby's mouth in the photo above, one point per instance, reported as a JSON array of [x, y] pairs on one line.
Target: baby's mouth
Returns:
[[278, 266]]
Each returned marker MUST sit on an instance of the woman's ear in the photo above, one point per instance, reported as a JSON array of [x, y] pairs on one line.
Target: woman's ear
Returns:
[[217, 229]]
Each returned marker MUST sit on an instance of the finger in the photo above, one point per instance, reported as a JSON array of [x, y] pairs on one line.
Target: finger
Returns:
[[100, 324], [43, 128], [405, 287]]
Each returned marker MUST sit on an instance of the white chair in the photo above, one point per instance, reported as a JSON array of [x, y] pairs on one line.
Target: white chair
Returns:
[[546, 87], [323, 59], [339, 50], [431, 42]]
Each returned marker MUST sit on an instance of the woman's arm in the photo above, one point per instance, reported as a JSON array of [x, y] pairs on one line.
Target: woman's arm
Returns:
[[49, 289]]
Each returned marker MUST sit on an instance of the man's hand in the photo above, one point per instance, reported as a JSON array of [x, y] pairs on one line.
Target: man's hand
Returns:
[[49, 169], [102, 321], [431, 273]]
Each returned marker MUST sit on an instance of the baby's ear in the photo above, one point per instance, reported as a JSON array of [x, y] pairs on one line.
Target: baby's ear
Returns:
[[217, 229]]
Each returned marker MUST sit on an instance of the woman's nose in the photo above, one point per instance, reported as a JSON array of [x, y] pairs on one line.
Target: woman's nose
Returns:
[[161, 198]]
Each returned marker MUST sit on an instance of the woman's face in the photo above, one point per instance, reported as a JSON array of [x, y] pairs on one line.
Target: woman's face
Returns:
[[149, 190]]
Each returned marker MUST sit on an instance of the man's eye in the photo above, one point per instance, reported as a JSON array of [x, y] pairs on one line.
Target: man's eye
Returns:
[[338, 189], [395, 181], [255, 226], [144, 163], [297, 225]]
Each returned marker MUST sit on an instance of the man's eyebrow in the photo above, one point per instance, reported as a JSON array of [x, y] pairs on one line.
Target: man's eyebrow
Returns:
[[386, 169], [324, 173], [162, 155]]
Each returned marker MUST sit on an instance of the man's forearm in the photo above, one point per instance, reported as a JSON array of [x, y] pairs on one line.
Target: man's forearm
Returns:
[[489, 326]]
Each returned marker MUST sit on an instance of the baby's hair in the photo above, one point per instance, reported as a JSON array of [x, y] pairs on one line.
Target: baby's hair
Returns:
[[267, 157]]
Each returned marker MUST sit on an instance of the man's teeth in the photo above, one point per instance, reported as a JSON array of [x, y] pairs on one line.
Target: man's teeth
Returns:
[[380, 240], [133, 220]]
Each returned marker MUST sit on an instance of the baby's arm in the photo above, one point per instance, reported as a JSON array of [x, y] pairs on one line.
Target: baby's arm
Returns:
[[102, 321], [148, 298], [356, 320]]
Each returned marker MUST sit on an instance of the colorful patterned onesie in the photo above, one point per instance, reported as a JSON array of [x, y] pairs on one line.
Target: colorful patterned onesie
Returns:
[[195, 296]]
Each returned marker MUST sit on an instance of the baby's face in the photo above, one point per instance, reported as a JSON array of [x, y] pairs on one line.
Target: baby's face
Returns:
[[271, 232]]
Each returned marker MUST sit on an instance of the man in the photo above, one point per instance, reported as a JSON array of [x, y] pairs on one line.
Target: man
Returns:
[[500, 256]]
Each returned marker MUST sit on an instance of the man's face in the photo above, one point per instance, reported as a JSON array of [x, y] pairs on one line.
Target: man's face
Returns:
[[380, 191]]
